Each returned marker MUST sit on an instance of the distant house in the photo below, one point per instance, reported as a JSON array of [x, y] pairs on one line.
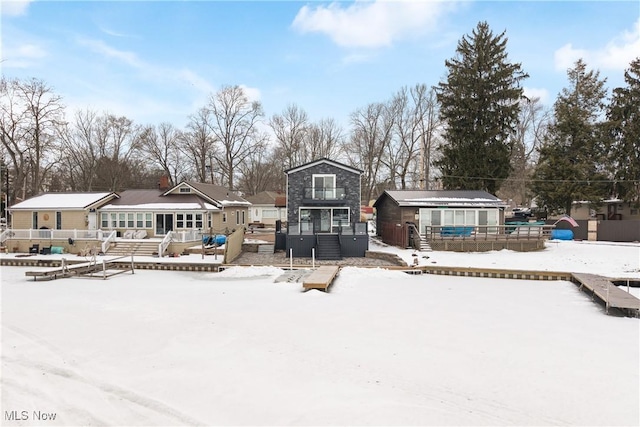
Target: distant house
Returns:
[[267, 207], [323, 206], [611, 209]]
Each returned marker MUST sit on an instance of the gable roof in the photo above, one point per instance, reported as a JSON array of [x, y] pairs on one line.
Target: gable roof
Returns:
[[323, 160], [65, 201], [153, 199], [265, 198], [449, 198], [216, 194]]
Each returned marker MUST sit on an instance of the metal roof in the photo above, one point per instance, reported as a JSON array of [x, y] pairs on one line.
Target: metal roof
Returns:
[[430, 198], [154, 199]]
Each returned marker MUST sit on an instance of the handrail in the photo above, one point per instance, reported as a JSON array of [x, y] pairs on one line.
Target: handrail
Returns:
[[489, 232], [108, 240], [3, 236], [165, 243]]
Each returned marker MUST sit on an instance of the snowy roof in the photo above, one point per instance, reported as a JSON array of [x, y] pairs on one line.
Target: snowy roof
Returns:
[[63, 201], [214, 193], [473, 198]]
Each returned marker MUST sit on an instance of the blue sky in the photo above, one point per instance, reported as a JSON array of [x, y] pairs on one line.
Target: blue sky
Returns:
[[158, 61]]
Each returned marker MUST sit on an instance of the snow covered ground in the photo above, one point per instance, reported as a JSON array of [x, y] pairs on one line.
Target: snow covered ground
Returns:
[[381, 348]]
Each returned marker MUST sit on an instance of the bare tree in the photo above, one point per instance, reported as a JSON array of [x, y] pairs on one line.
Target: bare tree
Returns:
[[80, 151], [261, 172], [162, 144], [290, 129], [30, 114], [234, 120], [527, 139], [199, 144], [118, 146], [371, 133], [324, 139]]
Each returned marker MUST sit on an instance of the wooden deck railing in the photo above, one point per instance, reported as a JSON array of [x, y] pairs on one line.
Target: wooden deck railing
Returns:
[[489, 232]]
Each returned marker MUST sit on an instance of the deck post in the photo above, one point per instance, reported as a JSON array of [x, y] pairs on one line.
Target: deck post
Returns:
[[290, 258], [132, 271], [104, 270], [313, 257]]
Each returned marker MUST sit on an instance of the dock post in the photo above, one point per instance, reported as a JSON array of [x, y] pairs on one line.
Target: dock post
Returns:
[[313, 258], [291, 259], [104, 270], [132, 271]]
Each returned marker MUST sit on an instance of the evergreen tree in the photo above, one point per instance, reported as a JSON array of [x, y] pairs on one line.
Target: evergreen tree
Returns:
[[479, 103], [571, 166], [623, 129]]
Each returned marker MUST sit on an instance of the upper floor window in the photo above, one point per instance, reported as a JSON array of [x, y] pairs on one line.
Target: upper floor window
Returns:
[[185, 190], [324, 187]]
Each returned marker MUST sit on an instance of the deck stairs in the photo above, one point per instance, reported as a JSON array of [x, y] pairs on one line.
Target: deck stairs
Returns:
[[328, 247], [424, 244], [267, 249], [135, 247]]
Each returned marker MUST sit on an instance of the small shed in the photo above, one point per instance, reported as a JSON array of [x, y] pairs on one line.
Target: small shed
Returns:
[[439, 208]]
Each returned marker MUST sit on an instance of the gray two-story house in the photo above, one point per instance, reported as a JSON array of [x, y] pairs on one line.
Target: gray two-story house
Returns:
[[323, 211]]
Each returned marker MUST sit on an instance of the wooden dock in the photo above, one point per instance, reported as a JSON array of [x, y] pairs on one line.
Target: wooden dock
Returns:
[[608, 293], [321, 278], [96, 269]]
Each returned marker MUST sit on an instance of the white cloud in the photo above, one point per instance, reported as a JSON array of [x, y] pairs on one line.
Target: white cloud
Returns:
[[100, 47], [14, 7], [252, 93], [195, 80], [615, 55], [22, 56], [532, 93], [356, 58], [370, 23]]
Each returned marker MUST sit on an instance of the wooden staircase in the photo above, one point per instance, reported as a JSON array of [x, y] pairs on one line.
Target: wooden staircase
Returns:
[[424, 244], [328, 247], [135, 247]]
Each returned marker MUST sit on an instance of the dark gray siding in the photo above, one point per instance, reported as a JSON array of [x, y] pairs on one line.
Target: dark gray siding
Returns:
[[297, 181]]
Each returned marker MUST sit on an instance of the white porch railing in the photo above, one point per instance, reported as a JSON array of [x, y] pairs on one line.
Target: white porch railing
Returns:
[[106, 237], [108, 240], [52, 234], [165, 243], [186, 236]]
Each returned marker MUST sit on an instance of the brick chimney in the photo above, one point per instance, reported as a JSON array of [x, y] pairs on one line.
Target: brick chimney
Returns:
[[163, 184]]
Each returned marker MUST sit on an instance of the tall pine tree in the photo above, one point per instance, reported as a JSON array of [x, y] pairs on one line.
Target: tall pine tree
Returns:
[[571, 166], [623, 129], [479, 103]]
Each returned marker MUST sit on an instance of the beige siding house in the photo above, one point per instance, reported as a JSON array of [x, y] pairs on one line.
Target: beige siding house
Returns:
[[186, 207], [59, 211], [613, 209], [267, 207], [176, 217]]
